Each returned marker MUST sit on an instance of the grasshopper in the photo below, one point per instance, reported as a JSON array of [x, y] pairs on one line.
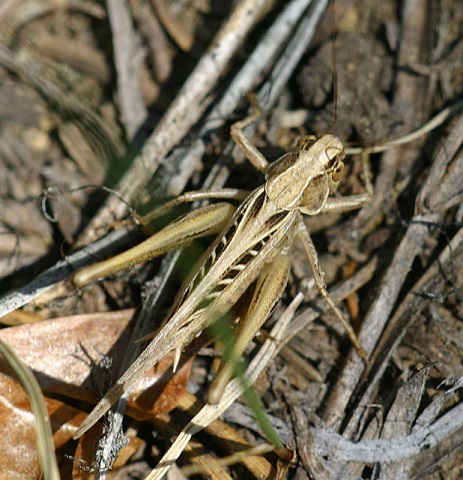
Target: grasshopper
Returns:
[[253, 245]]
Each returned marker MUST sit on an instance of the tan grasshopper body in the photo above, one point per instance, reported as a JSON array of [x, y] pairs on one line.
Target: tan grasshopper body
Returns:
[[254, 244]]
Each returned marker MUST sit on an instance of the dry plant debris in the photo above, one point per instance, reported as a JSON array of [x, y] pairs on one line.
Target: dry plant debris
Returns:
[[107, 109]]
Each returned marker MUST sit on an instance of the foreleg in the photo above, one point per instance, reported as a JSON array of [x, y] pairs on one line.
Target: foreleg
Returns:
[[304, 236]]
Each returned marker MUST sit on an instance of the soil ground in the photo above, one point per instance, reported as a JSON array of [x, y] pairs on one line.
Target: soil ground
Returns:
[[76, 110]]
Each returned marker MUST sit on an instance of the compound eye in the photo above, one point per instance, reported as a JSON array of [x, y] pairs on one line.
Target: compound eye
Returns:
[[306, 142]]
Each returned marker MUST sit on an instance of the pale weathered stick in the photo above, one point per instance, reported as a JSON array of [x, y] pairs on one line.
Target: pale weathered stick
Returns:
[[128, 57], [423, 437], [49, 278]]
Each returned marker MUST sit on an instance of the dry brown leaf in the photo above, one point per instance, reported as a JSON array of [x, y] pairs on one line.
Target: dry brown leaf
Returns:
[[18, 452], [63, 354]]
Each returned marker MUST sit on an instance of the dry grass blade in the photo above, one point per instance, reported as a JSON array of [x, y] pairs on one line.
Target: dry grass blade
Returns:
[[258, 450], [45, 445], [228, 438]]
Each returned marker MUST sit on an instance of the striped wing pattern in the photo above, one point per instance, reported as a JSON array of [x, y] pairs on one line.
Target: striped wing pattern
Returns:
[[254, 235]]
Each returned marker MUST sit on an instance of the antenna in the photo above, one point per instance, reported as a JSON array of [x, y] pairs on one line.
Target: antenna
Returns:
[[333, 59]]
